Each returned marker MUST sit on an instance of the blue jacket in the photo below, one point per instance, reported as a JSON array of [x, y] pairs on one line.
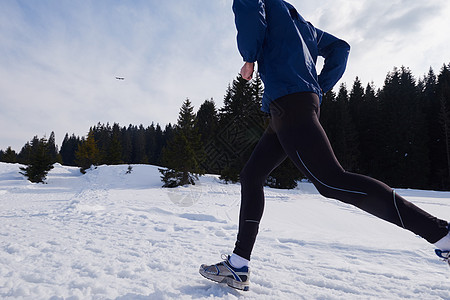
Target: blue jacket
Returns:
[[286, 47]]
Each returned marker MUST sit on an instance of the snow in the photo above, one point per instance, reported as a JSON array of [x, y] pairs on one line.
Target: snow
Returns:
[[112, 235]]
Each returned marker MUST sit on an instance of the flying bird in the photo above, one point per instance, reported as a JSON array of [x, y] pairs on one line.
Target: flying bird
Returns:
[[120, 78]]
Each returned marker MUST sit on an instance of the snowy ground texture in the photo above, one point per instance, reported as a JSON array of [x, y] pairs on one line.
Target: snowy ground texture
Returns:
[[112, 235]]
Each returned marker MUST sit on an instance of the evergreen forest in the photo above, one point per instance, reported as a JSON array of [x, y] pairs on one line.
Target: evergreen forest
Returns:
[[399, 134]]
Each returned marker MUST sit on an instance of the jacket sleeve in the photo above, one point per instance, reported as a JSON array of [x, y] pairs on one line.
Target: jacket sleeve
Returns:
[[335, 51], [250, 19]]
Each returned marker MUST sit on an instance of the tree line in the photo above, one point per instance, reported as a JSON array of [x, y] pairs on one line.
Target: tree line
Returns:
[[399, 133]]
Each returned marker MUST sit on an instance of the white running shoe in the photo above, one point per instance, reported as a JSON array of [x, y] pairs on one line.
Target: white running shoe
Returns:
[[223, 272]]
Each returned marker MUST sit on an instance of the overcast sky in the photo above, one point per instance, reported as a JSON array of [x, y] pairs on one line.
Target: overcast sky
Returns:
[[59, 58]]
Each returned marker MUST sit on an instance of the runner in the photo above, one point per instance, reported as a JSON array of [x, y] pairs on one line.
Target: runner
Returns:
[[285, 46]]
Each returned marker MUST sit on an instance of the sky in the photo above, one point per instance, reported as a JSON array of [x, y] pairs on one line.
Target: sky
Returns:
[[59, 59]]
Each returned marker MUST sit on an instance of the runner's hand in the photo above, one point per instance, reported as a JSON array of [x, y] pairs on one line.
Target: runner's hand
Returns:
[[247, 70]]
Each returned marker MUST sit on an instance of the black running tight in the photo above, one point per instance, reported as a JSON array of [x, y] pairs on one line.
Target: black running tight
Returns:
[[295, 132]]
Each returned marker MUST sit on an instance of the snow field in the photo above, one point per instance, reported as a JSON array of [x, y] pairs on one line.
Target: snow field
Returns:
[[112, 235]]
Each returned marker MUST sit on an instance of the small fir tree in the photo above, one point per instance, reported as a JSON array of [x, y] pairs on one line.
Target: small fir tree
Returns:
[[285, 176], [87, 154], [68, 149], [9, 156], [40, 160], [184, 152], [114, 150], [241, 124]]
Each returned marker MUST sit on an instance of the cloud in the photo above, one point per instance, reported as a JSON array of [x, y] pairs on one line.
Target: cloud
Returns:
[[60, 59], [388, 34]]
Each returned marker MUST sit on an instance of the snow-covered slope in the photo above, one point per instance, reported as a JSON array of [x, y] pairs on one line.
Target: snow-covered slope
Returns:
[[112, 235]]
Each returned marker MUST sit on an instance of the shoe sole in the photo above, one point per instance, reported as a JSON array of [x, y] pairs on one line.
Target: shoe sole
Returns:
[[243, 286]]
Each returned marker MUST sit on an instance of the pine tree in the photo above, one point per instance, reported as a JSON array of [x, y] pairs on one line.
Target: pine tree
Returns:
[[150, 135], [350, 108], [88, 153], [127, 145], [443, 94], [241, 124], [102, 136], [369, 134], [207, 125], [24, 156], [40, 160], [114, 150], [326, 111], [159, 144], [356, 106], [405, 155], [285, 176], [257, 89], [168, 135], [341, 130], [53, 149], [68, 148], [184, 153], [139, 146], [9, 156], [444, 119], [207, 120]]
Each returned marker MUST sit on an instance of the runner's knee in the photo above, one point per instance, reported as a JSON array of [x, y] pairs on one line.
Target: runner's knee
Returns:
[[250, 176]]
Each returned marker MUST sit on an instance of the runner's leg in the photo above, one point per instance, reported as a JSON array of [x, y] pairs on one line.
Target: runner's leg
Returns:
[[295, 121], [266, 156]]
